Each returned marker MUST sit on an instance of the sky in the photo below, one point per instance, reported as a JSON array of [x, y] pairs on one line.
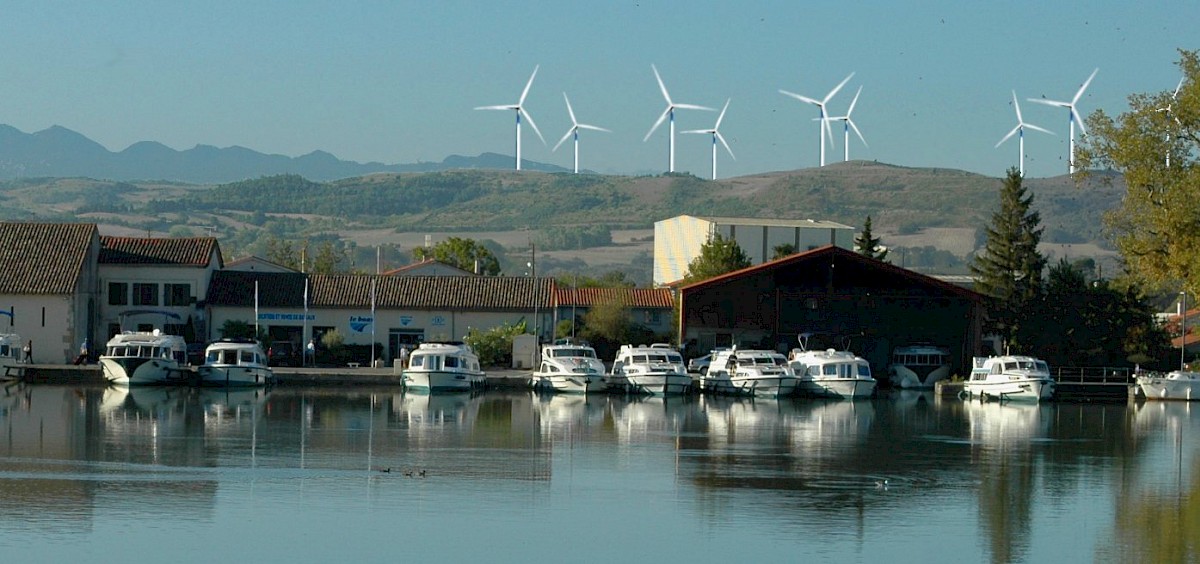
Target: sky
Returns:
[[397, 82]]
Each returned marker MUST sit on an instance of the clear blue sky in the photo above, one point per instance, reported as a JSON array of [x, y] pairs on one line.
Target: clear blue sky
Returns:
[[396, 82]]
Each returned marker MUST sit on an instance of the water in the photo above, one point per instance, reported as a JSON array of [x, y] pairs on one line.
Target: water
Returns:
[[314, 475]]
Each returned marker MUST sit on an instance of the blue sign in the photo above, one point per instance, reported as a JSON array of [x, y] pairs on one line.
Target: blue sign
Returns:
[[285, 317], [438, 321], [405, 320], [361, 323]]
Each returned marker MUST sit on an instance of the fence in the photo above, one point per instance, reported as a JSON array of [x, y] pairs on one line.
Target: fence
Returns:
[[1093, 375]]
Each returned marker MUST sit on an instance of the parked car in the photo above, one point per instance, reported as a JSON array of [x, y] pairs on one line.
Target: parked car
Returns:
[[283, 353]]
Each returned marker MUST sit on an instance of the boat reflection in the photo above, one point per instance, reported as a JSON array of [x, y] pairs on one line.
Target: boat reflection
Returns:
[[570, 415]]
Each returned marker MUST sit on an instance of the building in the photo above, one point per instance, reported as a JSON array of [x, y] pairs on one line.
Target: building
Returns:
[[256, 264], [428, 267], [845, 300], [651, 308], [677, 241], [49, 287]]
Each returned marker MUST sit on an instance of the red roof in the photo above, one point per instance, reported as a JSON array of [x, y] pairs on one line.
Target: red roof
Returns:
[[632, 297], [191, 251]]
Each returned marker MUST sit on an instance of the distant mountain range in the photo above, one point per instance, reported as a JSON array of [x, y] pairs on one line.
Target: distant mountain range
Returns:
[[61, 152]]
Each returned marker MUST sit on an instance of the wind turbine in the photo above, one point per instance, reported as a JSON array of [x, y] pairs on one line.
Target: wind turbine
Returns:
[[575, 127], [1170, 116], [820, 104], [519, 107], [1019, 130], [670, 111], [716, 135], [1073, 116], [848, 123]]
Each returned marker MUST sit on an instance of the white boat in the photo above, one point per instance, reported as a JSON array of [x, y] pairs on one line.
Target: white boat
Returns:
[[235, 362], [568, 367], [654, 369], [444, 367], [760, 373], [1009, 377], [919, 366], [10, 354], [832, 373], [1174, 385], [139, 357]]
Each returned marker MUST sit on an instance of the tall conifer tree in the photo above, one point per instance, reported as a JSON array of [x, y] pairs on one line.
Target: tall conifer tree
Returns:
[[868, 244]]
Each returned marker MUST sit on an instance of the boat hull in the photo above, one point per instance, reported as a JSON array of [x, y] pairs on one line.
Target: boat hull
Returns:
[[442, 381], [231, 375], [1174, 386], [906, 378], [660, 383], [570, 383], [759, 386], [838, 388], [1014, 389], [134, 371]]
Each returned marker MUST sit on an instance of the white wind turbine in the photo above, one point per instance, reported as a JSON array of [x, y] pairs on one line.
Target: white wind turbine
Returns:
[[848, 123], [519, 107], [1170, 116], [669, 112], [716, 135], [1019, 130], [575, 127], [820, 104], [1073, 116]]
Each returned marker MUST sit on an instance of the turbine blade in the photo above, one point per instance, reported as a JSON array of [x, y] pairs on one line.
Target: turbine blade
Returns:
[[525, 92], [693, 107], [569, 110], [828, 128], [1054, 103], [504, 107], [856, 131], [661, 118], [804, 99], [1084, 87], [533, 125], [1180, 85], [1075, 116], [1036, 128], [838, 87], [722, 116], [697, 131], [853, 102], [661, 86], [722, 139], [564, 138], [1017, 106], [592, 127], [1010, 134]]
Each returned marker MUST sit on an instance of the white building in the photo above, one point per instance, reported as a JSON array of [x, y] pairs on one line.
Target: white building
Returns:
[[677, 240]]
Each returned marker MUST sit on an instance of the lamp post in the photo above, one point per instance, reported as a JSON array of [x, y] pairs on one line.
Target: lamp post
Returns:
[[1183, 330]]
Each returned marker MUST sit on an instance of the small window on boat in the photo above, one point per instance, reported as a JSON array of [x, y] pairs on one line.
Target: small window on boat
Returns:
[[864, 369], [3, 350], [246, 357], [451, 362], [212, 357], [831, 370], [1043, 367], [416, 361]]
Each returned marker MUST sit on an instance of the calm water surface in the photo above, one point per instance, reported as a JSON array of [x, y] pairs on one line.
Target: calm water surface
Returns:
[[333, 475]]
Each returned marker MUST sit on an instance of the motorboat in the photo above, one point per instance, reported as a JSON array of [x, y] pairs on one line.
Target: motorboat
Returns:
[[569, 367], [1009, 377], [145, 357], [653, 369], [235, 362], [1174, 385], [444, 367], [10, 354], [919, 366], [832, 373], [762, 373]]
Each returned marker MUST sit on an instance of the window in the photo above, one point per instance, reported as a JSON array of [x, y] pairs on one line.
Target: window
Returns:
[[177, 294], [145, 294], [118, 293]]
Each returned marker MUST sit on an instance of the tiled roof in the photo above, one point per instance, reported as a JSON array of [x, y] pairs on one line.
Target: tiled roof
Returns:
[[422, 264], [193, 251], [230, 288], [633, 297], [43, 258]]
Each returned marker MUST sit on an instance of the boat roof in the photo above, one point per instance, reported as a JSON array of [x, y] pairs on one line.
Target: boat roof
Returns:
[[155, 336], [656, 347], [826, 355], [920, 348]]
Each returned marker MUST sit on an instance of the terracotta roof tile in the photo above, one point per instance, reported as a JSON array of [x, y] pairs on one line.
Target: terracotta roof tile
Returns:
[[193, 251], [633, 297], [43, 258]]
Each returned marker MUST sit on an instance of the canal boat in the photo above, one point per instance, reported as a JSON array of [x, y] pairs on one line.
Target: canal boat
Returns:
[[654, 369], [761, 373], [919, 366], [145, 358], [10, 354], [832, 373], [235, 362], [444, 367], [1174, 385], [1009, 377], [569, 367]]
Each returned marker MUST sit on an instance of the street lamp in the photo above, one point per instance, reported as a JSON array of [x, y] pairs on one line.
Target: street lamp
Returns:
[[1183, 330]]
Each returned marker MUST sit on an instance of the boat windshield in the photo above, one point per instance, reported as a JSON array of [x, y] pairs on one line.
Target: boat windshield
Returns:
[[571, 353], [1024, 365]]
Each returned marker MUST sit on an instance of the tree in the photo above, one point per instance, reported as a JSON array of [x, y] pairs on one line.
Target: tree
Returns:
[[282, 253], [462, 253], [784, 250], [329, 259], [868, 244], [718, 256], [1009, 270], [1157, 150]]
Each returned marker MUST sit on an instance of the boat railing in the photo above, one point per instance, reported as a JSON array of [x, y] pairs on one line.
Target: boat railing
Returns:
[[1093, 375]]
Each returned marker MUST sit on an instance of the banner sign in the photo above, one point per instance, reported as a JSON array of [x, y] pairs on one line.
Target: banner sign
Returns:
[[286, 317], [361, 323]]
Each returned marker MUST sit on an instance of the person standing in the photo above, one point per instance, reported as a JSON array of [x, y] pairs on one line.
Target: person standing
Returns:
[[310, 351], [28, 351], [403, 356], [83, 353]]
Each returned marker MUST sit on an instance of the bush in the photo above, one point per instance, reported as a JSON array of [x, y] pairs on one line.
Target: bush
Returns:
[[494, 346]]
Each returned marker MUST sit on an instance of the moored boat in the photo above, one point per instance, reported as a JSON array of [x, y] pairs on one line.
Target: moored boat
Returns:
[[140, 358], [1009, 377], [444, 367], [760, 373], [1174, 385], [832, 373], [654, 369], [569, 367], [235, 362], [919, 366], [10, 353]]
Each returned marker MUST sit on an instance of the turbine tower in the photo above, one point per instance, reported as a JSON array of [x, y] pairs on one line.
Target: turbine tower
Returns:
[[1072, 116], [848, 123], [1019, 130], [716, 135], [669, 112], [1169, 115], [519, 107], [575, 127], [820, 104]]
